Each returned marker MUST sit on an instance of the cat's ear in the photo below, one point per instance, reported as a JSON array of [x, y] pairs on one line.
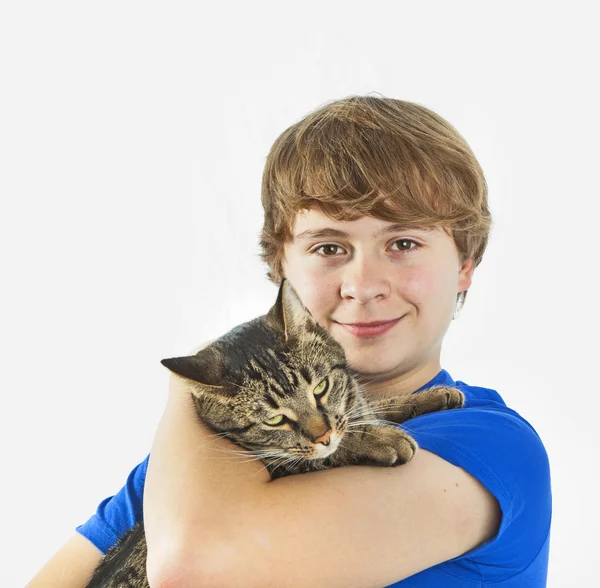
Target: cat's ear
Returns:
[[288, 314], [205, 370]]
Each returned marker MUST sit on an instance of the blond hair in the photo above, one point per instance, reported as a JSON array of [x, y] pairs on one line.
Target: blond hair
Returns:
[[365, 155]]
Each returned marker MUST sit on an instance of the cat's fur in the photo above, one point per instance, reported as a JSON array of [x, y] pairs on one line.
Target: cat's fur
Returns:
[[270, 366]]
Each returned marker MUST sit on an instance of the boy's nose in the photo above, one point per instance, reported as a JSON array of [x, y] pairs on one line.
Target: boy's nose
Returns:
[[365, 280]]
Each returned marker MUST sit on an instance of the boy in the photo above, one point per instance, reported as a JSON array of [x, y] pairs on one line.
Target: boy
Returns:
[[376, 211]]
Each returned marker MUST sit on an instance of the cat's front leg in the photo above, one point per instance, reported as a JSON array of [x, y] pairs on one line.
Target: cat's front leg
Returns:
[[401, 408], [379, 445]]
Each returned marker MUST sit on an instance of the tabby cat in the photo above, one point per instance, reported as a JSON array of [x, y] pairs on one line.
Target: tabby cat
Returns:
[[279, 387]]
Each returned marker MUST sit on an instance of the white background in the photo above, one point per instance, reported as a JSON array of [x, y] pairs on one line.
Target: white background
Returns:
[[132, 141]]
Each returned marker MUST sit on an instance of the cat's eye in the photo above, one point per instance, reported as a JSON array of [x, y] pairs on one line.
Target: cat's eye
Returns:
[[276, 420], [321, 388]]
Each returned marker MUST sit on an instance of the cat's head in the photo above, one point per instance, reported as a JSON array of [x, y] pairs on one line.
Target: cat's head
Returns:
[[279, 382]]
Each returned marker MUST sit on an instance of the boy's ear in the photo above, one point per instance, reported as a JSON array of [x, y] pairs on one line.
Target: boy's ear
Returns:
[[465, 274], [288, 314]]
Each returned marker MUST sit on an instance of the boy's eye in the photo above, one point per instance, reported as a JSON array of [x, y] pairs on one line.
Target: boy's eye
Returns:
[[276, 420], [328, 250], [321, 388], [405, 244]]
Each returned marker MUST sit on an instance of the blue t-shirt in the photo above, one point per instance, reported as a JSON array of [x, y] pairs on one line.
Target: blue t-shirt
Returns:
[[488, 440]]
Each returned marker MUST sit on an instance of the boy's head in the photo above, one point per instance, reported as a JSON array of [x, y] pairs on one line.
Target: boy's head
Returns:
[[363, 155]]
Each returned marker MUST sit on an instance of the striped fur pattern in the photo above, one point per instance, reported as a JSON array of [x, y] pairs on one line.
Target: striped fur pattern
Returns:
[[280, 388]]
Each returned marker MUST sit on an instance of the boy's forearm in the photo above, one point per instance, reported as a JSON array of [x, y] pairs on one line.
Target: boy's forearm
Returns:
[[71, 566], [192, 487]]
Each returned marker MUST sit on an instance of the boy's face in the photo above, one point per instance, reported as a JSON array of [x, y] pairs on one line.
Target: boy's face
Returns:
[[411, 276]]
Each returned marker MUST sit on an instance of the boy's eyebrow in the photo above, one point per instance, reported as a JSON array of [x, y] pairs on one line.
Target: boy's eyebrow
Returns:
[[330, 232]]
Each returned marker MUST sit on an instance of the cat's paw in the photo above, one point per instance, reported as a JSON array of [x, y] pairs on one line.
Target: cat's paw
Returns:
[[454, 398], [396, 448], [438, 398]]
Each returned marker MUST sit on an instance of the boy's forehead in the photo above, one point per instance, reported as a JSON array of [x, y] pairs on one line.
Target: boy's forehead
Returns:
[[312, 223]]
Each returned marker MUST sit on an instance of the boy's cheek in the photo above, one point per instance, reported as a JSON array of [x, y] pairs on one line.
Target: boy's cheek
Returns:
[[316, 293], [424, 284], [418, 286]]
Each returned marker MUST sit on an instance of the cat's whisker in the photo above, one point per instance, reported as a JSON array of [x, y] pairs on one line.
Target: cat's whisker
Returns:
[[370, 415], [355, 410], [272, 456], [234, 456], [287, 460], [354, 414], [239, 456], [233, 460], [375, 410], [361, 433], [232, 451], [216, 436], [277, 465], [259, 471], [294, 462], [245, 452], [371, 422], [362, 427], [372, 380]]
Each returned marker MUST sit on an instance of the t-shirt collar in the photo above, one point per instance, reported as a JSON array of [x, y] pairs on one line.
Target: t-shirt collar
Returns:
[[443, 378]]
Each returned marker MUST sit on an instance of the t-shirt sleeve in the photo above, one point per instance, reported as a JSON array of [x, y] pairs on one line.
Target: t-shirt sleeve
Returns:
[[502, 450], [116, 514]]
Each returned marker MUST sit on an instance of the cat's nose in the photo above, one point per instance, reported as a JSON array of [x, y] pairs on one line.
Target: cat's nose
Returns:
[[325, 438]]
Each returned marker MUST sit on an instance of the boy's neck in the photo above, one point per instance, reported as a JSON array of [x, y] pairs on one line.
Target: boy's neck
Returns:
[[403, 383]]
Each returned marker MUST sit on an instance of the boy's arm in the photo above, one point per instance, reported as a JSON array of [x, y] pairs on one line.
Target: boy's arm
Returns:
[[211, 520], [70, 567]]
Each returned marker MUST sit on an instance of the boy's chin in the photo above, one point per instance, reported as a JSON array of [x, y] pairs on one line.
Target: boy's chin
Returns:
[[373, 364]]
